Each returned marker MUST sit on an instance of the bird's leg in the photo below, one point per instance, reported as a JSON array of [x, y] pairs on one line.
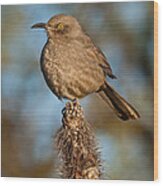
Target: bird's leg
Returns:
[[73, 113], [76, 101], [72, 105]]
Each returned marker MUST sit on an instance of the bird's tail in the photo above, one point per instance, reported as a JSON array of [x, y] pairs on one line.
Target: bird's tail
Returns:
[[121, 107]]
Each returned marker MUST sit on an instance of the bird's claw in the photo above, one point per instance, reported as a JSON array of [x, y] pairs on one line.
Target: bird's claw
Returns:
[[73, 109]]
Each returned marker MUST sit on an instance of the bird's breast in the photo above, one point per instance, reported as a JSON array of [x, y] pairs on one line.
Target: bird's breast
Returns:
[[69, 71]]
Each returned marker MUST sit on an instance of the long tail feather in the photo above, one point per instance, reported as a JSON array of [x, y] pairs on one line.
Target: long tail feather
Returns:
[[121, 107]]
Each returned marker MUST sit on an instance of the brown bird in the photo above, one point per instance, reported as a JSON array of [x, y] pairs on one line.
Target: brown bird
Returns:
[[73, 66]]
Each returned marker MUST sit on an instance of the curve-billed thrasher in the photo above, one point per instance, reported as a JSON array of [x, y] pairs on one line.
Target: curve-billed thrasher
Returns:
[[74, 67]]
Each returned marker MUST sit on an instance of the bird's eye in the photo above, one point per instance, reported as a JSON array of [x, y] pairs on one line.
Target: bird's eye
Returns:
[[60, 26]]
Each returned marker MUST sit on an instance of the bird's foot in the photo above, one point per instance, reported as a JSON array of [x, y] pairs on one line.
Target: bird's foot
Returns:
[[73, 112], [73, 109]]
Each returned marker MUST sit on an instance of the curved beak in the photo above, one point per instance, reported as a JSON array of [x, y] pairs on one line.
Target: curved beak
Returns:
[[39, 25]]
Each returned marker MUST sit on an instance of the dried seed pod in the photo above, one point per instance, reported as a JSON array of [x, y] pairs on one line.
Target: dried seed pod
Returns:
[[76, 145]]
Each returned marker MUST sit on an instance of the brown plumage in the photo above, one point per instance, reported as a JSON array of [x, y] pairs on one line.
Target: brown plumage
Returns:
[[74, 67]]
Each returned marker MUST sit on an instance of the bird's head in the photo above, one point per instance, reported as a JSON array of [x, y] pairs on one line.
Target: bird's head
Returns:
[[60, 26]]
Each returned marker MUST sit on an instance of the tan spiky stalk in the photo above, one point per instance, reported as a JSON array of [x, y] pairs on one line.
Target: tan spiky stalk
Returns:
[[76, 145]]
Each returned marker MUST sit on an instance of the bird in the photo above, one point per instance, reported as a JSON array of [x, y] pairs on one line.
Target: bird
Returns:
[[74, 67]]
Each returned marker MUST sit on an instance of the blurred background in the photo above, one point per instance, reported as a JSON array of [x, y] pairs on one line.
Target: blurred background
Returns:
[[31, 114]]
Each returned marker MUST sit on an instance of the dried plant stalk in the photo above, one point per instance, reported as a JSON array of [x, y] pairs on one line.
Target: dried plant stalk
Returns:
[[76, 145]]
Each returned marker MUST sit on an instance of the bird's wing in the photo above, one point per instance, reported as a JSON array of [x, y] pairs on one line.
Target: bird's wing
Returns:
[[102, 61]]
